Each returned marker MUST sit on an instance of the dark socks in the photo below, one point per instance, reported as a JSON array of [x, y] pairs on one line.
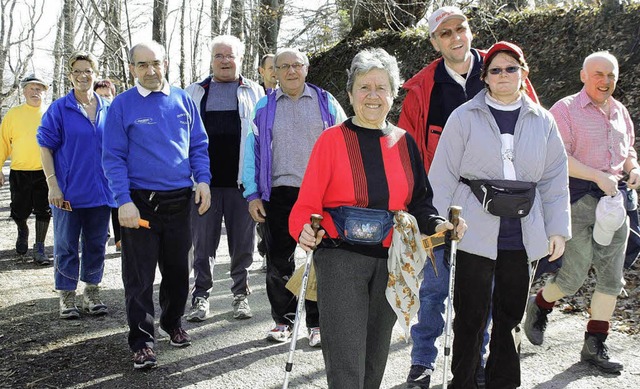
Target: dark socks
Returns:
[[22, 225], [542, 303], [42, 226], [598, 327]]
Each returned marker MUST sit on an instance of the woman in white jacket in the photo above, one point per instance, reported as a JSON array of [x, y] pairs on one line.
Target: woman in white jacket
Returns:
[[501, 134]]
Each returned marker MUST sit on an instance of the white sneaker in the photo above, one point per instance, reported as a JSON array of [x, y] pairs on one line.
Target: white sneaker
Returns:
[[241, 309], [314, 337], [91, 302], [279, 333], [199, 310], [68, 308]]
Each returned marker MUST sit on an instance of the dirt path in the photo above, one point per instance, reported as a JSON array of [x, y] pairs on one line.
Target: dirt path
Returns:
[[37, 350]]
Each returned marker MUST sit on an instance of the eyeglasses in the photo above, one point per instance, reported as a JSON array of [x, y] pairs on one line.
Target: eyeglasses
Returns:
[[146, 65], [448, 33], [220, 57], [508, 69], [285, 66], [86, 72]]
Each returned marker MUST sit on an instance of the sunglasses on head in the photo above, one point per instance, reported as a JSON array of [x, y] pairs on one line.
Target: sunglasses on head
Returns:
[[508, 69]]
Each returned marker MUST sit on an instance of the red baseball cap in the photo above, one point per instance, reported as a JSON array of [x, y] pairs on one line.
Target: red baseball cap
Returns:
[[504, 46]]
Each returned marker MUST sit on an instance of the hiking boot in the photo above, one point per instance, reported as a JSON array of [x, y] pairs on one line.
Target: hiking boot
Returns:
[[314, 336], [91, 301], [596, 353], [177, 337], [22, 243], [279, 333], [68, 308], [419, 377], [199, 310], [145, 358], [535, 322], [241, 309], [39, 256]]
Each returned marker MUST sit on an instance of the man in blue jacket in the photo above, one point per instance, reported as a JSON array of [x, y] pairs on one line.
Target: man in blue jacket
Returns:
[[286, 124], [154, 143]]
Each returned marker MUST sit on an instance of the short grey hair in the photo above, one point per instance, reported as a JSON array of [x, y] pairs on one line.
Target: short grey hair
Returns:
[[375, 58], [604, 55], [290, 50], [228, 40], [151, 45]]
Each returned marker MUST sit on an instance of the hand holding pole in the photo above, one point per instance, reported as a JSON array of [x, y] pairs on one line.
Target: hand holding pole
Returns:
[[315, 225], [454, 218]]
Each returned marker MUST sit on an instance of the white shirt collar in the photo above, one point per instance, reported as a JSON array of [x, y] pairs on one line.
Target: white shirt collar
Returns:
[[458, 78], [500, 106], [166, 89]]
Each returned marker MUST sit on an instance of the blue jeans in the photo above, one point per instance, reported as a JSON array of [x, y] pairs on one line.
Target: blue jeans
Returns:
[[430, 325], [93, 224]]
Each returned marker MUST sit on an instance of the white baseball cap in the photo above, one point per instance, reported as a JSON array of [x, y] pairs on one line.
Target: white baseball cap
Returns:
[[610, 216], [443, 14]]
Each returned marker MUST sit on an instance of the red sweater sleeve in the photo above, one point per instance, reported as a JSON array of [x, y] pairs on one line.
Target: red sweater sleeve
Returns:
[[317, 178]]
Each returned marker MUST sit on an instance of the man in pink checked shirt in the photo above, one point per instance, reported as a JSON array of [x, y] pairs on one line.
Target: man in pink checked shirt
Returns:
[[598, 136]]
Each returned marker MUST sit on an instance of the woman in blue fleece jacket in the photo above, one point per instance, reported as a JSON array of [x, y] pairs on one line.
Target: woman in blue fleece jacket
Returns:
[[70, 137]]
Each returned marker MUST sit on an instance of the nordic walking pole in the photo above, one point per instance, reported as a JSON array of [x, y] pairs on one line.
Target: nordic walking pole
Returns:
[[454, 218], [315, 224]]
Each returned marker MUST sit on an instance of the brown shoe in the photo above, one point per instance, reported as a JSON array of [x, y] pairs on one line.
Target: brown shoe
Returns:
[[178, 337], [144, 358]]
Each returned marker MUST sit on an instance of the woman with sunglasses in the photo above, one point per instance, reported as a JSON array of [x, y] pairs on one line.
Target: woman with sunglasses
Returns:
[[501, 134]]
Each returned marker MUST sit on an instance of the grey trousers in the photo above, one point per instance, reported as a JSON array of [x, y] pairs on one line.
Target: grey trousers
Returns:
[[582, 252], [355, 317], [207, 229]]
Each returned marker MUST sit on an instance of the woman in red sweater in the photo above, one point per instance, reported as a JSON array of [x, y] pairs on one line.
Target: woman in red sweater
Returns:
[[369, 167]]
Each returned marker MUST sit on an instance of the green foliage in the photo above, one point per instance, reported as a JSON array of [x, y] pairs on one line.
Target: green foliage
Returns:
[[555, 42]]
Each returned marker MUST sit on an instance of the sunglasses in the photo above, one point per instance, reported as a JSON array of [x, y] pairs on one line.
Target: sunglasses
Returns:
[[508, 69]]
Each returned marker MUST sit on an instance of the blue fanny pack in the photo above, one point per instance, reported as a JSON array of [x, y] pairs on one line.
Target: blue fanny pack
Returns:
[[358, 225]]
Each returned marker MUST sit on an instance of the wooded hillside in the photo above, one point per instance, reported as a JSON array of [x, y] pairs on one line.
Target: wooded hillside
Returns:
[[554, 41]]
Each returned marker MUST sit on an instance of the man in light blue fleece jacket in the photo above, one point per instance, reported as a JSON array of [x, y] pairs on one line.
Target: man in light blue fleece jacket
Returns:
[[286, 123]]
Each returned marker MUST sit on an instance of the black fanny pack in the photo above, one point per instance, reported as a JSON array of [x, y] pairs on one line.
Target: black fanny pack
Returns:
[[358, 225], [503, 198]]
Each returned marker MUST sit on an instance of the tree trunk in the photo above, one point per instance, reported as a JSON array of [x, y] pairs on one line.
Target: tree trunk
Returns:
[[182, 64], [114, 56], [270, 17], [237, 19], [380, 14], [58, 61], [68, 38], [5, 44], [196, 53], [215, 18], [160, 10]]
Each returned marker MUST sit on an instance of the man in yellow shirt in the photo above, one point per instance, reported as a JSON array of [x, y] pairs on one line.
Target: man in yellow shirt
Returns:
[[28, 185]]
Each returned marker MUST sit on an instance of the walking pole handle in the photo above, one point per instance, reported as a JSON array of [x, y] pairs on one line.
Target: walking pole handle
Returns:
[[315, 224], [454, 218]]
